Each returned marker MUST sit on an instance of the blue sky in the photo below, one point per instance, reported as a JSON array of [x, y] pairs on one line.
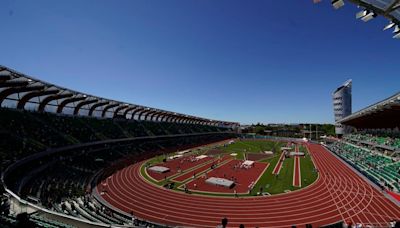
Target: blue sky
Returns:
[[247, 61]]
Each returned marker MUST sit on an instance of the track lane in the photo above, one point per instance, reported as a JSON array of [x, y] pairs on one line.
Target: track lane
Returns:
[[338, 194]]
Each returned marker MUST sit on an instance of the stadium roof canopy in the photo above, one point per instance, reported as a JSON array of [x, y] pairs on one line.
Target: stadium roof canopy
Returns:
[[384, 114], [387, 8], [372, 8], [27, 93]]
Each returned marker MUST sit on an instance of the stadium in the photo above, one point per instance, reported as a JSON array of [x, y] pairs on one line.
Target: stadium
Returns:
[[72, 159]]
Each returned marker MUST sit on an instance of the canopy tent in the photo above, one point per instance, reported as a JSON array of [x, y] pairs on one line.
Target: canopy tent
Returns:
[[175, 156], [286, 148], [220, 182], [159, 169], [247, 164], [201, 157], [296, 154], [183, 152]]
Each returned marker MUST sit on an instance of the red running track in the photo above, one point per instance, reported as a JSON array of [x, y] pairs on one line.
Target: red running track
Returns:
[[296, 172], [278, 165], [338, 194]]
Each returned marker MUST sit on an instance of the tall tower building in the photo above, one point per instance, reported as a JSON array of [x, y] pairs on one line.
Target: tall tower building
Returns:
[[342, 106]]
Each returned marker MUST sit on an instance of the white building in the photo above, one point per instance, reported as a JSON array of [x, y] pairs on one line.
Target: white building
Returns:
[[342, 105]]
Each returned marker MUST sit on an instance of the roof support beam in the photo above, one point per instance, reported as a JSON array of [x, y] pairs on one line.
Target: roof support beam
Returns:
[[143, 112], [52, 98], [159, 116], [185, 120], [83, 103], [136, 111], [7, 92], [168, 117], [128, 110], [120, 108], [100, 104], [395, 5], [149, 115], [180, 119], [67, 101], [175, 119], [110, 106], [28, 96], [13, 84]]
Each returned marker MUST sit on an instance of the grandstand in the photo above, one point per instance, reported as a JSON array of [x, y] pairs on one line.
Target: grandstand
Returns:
[[59, 143], [374, 145]]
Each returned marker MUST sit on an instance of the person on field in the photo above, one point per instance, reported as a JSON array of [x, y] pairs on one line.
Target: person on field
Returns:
[[224, 222]]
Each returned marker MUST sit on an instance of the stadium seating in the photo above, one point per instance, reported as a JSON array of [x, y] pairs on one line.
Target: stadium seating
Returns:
[[62, 186], [31, 132], [33, 221], [380, 167], [381, 139], [60, 182]]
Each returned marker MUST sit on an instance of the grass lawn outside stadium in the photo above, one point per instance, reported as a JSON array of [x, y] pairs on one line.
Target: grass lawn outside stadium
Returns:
[[267, 182]]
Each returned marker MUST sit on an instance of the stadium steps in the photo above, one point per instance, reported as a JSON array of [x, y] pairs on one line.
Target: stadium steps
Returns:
[[103, 215], [71, 211], [96, 213], [84, 213]]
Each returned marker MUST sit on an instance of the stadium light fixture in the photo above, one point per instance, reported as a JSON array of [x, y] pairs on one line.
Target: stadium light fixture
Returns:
[[396, 29], [396, 32], [371, 15], [361, 14], [337, 4], [390, 25]]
